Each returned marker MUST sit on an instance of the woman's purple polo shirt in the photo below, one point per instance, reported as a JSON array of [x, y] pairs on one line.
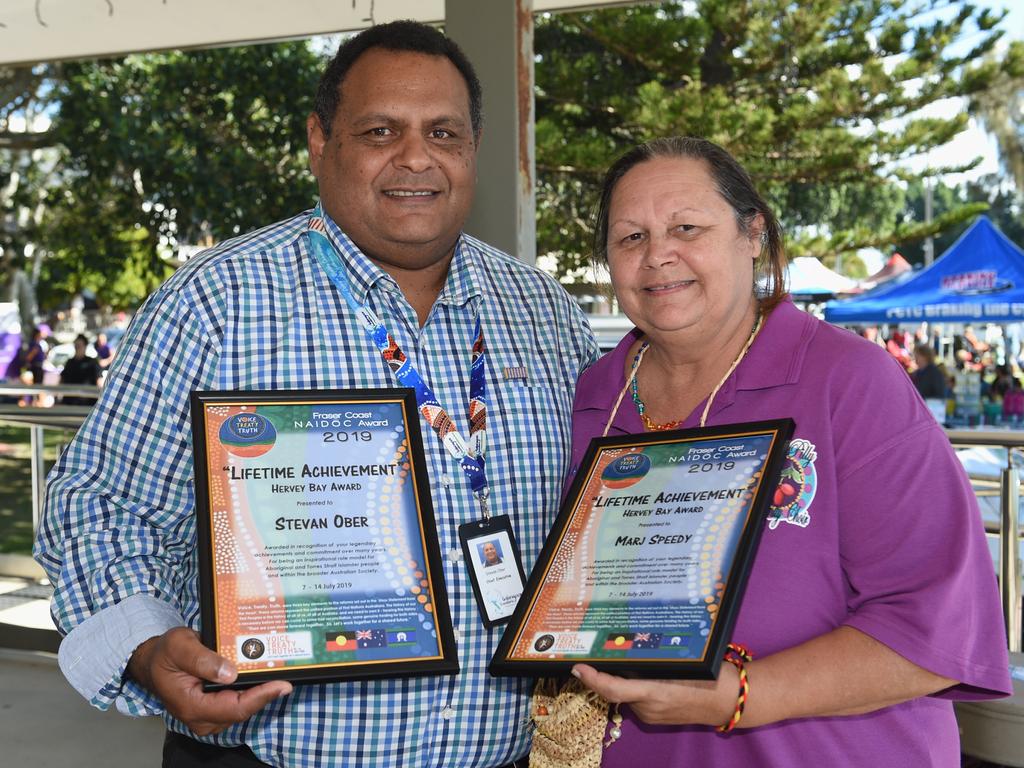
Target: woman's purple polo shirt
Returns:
[[890, 542]]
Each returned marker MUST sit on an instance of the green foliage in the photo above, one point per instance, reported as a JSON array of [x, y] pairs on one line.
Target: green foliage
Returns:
[[26, 166], [161, 150], [988, 195], [1001, 109], [818, 99]]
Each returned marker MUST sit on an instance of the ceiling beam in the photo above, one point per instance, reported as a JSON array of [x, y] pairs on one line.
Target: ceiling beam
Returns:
[[53, 30]]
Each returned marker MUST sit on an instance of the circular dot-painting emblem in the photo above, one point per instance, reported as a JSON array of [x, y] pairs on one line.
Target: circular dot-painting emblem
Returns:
[[253, 648], [626, 470], [247, 434]]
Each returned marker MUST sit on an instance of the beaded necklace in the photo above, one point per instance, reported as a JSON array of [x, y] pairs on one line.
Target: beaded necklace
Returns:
[[631, 384]]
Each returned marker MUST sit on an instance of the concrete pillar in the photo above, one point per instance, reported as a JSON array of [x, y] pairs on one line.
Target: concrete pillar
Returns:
[[497, 35]]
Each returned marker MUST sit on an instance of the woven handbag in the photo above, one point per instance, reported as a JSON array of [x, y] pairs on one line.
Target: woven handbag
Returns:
[[569, 725]]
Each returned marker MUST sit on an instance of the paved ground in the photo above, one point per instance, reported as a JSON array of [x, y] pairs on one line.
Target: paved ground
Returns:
[[44, 724]]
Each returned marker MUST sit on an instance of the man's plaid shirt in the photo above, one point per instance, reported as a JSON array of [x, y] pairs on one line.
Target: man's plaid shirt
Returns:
[[119, 535]]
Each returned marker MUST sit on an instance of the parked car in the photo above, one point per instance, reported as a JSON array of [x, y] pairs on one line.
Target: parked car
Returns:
[[609, 329]]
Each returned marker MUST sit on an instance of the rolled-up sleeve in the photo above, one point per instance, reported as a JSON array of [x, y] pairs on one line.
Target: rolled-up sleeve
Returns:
[[118, 534]]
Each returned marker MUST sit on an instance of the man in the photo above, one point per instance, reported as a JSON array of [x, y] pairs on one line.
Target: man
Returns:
[[81, 369], [928, 378], [491, 556], [393, 146]]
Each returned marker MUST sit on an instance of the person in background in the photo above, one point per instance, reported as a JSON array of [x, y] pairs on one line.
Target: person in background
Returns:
[[35, 355], [1003, 382], [870, 333], [16, 287], [104, 354], [81, 369], [929, 379], [896, 345], [872, 601]]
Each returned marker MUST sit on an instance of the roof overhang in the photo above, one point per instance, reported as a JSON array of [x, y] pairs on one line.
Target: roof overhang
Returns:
[[52, 30]]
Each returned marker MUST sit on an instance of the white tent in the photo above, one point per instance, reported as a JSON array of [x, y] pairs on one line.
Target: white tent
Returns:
[[806, 276]]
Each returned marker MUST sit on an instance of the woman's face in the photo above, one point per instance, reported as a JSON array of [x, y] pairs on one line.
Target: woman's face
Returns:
[[678, 260]]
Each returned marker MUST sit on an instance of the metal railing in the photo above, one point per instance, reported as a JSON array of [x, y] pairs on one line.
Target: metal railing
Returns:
[[37, 419], [1009, 522], [71, 417]]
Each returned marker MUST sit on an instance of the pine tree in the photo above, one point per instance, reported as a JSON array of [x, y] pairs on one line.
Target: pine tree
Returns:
[[819, 100]]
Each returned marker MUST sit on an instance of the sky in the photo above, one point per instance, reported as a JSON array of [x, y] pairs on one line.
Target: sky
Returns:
[[974, 141], [969, 144]]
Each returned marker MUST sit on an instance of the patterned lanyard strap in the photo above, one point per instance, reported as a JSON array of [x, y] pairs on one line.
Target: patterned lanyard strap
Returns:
[[470, 454]]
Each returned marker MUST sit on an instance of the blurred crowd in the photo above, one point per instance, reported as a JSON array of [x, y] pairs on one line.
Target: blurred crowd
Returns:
[[936, 364], [39, 361]]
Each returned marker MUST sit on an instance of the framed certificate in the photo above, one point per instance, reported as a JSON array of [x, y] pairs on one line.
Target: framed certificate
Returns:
[[318, 554], [645, 567]]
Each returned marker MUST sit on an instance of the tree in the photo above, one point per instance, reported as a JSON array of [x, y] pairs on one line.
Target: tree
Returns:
[[23, 92], [1001, 109], [818, 99], [26, 159], [988, 194], [162, 150]]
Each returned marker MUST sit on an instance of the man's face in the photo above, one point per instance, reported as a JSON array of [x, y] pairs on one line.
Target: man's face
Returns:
[[490, 553], [398, 170]]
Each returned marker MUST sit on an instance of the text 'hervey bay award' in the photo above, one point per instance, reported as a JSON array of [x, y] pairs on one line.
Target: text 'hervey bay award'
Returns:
[[645, 567], [318, 550]]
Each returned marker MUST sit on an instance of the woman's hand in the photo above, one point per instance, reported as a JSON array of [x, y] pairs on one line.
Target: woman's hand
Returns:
[[843, 672], [669, 702]]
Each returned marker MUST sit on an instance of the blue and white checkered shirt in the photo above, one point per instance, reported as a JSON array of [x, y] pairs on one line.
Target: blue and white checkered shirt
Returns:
[[119, 536]]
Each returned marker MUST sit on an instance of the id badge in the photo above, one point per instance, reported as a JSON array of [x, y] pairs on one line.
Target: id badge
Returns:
[[495, 567]]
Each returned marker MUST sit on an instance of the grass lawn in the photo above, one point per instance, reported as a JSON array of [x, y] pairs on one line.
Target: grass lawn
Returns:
[[16, 484]]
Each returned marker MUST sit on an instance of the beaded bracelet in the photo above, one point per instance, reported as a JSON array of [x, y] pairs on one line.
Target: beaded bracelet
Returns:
[[737, 655]]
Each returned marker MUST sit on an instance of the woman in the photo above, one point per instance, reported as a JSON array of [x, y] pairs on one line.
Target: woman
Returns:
[[871, 604]]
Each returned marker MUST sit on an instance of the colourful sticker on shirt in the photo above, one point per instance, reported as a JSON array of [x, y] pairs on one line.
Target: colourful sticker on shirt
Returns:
[[792, 500]]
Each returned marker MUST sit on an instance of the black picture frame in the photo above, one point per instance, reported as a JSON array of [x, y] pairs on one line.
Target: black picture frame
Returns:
[[536, 644], [214, 480]]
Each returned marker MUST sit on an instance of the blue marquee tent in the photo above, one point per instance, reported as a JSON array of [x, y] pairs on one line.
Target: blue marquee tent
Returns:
[[980, 278]]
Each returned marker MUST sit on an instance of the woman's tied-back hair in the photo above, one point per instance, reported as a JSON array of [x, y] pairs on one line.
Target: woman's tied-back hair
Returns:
[[734, 185]]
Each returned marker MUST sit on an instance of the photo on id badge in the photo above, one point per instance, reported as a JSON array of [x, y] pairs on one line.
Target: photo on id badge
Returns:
[[497, 577]]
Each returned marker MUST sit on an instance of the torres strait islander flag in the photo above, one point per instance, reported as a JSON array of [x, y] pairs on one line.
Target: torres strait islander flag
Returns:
[[403, 636]]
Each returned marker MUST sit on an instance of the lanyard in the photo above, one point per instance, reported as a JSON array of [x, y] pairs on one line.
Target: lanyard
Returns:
[[471, 454]]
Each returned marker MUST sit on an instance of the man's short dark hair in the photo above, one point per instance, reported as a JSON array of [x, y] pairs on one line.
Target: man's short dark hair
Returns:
[[407, 36]]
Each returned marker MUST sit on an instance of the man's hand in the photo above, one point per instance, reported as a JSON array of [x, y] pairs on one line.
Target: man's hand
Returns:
[[174, 665]]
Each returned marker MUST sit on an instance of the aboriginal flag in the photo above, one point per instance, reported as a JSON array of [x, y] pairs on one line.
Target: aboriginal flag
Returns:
[[340, 641], [618, 641]]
